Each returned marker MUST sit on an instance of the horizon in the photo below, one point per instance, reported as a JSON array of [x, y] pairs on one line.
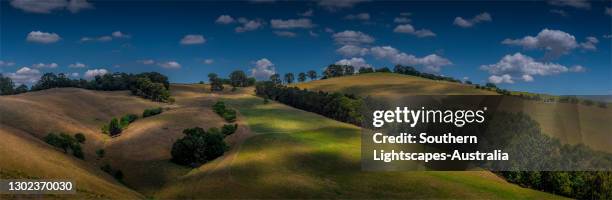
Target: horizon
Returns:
[[552, 48]]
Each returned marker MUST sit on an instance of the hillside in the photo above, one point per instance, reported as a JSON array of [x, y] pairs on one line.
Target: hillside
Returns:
[[278, 151], [570, 123]]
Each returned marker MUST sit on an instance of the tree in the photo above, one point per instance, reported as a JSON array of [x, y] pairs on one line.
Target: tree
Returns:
[[301, 77], [21, 89], [490, 85], [349, 70], [114, 127], [6, 85], [215, 82], [289, 78], [197, 147], [383, 69], [275, 78], [100, 153], [312, 74], [333, 71], [79, 137], [365, 70], [238, 79]]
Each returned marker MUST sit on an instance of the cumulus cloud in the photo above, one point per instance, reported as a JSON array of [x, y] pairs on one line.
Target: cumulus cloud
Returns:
[[89, 74], [225, 19], [333, 5], [6, 63], [170, 65], [357, 63], [409, 29], [105, 38], [582, 4], [349, 37], [308, 13], [25, 75], [466, 23], [523, 66], [77, 65], [119, 34], [42, 37], [360, 16], [501, 79], [590, 44], [287, 34], [352, 50], [291, 23], [48, 6], [431, 62], [554, 42], [248, 25], [192, 39], [263, 69], [43, 65]]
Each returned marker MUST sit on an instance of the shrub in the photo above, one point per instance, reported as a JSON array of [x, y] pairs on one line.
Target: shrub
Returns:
[[602, 104], [229, 129], [151, 111], [80, 138], [197, 147], [127, 119], [66, 143], [118, 175], [114, 127], [228, 114], [100, 153]]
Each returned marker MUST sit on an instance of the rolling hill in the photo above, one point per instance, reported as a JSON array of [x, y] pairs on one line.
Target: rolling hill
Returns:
[[570, 123], [278, 151]]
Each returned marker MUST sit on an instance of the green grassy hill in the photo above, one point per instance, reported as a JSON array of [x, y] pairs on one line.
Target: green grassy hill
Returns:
[[570, 123]]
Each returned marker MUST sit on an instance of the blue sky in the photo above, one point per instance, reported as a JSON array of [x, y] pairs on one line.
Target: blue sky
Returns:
[[556, 47]]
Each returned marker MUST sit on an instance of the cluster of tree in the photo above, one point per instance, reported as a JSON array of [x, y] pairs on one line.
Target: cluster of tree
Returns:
[[520, 134], [408, 70], [239, 79], [116, 126], [229, 129], [67, 143], [116, 173], [7, 87], [150, 85], [227, 113], [215, 82], [151, 112], [198, 147], [337, 106]]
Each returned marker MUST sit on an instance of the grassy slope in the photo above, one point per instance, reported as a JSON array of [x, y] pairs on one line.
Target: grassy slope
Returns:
[[297, 154], [570, 123]]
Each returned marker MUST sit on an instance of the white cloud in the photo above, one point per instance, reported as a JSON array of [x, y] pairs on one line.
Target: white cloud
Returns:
[[409, 29], [431, 62], [501, 79], [521, 65], [248, 25], [590, 44], [89, 74], [42, 37], [609, 11], [308, 13], [74, 75], [349, 37], [559, 12], [582, 4], [352, 50], [147, 62], [43, 65], [360, 16], [119, 34], [401, 20], [77, 65], [6, 63], [225, 19], [75, 6], [463, 23], [263, 69], [291, 23], [106, 38], [48, 6], [25, 75], [209, 61], [313, 34], [192, 39], [357, 63], [170, 65], [333, 5], [287, 34], [329, 30], [554, 42]]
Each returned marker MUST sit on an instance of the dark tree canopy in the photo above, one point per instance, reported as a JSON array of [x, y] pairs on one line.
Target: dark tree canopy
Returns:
[[198, 147], [215, 82], [312, 74], [275, 78], [289, 78], [301, 77], [238, 79]]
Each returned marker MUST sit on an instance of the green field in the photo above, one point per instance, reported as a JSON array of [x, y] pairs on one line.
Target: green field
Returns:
[[297, 154]]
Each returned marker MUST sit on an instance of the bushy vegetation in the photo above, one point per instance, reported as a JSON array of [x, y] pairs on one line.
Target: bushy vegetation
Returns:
[[198, 147], [7, 87], [151, 112], [215, 82], [116, 173], [227, 113], [116, 126], [337, 106], [65, 142], [229, 129], [80, 138], [523, 135], [100, 153]]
